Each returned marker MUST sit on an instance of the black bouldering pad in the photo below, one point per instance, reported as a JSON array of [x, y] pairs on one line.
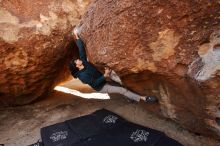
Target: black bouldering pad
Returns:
[[128, 134], [58, 135], [95, 123], [166, 141], [103, 128]]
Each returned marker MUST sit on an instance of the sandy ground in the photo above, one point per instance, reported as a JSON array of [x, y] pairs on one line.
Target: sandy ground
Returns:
[[20, 126]]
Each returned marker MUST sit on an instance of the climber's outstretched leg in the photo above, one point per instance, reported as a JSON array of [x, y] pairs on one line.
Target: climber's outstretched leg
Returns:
[[131, 95], [121, 90]]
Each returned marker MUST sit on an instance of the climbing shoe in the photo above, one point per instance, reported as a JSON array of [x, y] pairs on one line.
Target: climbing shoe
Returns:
[[151, 99]]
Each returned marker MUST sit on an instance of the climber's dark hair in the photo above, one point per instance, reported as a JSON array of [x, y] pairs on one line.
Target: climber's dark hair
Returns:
[[72, 66]]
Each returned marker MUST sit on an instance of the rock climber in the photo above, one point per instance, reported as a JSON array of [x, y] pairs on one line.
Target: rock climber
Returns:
[[88, 74]]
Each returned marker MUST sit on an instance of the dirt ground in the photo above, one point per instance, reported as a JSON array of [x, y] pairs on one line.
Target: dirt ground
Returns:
[[20, 126]]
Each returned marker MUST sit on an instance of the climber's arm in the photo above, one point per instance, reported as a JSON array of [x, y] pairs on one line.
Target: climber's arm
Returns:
[[82, 51], [80, 45]]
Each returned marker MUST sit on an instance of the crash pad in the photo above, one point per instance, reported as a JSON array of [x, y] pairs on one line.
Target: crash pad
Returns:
[[103, 128]]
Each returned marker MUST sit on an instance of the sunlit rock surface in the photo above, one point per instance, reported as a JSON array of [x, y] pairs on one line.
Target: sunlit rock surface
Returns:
[[170, 49], [35, 45]]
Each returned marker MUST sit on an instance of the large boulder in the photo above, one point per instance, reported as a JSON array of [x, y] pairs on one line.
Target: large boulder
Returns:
[[35, 44], [170, 49]]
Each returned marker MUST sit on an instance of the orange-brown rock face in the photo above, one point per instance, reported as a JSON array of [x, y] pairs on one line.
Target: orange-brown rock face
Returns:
[[170, 49], [34, 45]]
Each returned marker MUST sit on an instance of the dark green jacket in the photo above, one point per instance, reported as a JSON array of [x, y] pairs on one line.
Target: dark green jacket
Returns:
[[89, 75]]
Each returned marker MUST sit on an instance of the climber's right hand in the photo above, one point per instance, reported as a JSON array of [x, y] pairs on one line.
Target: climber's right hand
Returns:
[[75, 33], [107, 72]]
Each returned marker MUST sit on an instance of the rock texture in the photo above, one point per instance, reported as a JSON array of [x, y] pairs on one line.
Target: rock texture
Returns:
[[170, 49], [34, 44]]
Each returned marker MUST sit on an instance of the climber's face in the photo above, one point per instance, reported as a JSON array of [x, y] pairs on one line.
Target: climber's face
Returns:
[[78, 62]]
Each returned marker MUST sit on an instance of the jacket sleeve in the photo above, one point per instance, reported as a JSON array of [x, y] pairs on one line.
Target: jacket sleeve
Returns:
[[99, 80], [73, 69], [82, 51]]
